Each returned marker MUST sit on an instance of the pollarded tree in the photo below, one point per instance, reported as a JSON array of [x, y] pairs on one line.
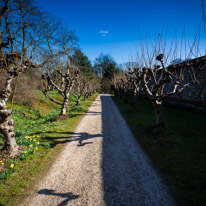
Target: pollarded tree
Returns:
[[134, 78], [124, 88], [22, 37], [79, 89], [66, 84], [91, 87], [117, 85], [160, 78], [154, 81], [16, 28]]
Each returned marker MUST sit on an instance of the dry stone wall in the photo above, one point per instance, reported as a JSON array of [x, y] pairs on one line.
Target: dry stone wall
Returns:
[[193, 97], [195, 93]]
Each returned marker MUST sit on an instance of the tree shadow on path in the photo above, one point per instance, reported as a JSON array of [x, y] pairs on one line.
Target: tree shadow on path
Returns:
[[72, 137], [68, 196], [80, 137]]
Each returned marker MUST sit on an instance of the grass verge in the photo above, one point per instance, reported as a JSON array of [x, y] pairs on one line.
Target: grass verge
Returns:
[[41, 140], [178, 152]]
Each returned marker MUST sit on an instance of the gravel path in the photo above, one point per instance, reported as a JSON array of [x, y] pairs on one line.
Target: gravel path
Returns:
[[102, 165]]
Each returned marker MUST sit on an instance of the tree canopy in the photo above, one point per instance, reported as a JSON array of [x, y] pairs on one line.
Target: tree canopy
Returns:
[[83, 63], [105, 66]]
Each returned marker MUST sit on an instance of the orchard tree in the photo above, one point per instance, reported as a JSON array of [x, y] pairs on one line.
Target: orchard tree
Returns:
[[134, 76], [67, 78], [87, 81], [92, 86], [154, 81], [17, 20], [26, 41], [160, 78], [122, 88], [79, 88]]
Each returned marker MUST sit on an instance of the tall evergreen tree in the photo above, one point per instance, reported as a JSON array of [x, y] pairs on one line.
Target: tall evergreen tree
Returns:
[[83, 63], [105, 67]]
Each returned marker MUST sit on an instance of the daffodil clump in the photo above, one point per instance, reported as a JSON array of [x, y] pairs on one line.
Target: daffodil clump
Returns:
[[1, 162], [1, 165], [30, 128], [6, 168], [32, 144], [12, 165]]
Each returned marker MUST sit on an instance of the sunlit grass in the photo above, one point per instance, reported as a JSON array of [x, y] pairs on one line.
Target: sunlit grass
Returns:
[[40, 139]]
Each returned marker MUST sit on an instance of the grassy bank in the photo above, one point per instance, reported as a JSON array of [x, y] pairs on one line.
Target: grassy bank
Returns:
[[178, 152], [41, 139]]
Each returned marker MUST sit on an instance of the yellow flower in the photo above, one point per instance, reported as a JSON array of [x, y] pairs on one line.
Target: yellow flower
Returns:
[[43, 131], [25, 152], [34, 140], [30, 145], [36, 148], [37, 136], [37, 142], [2, 163], [12, 165]]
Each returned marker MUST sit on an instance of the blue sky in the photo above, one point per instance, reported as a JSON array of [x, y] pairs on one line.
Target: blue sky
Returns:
[[112, 26]]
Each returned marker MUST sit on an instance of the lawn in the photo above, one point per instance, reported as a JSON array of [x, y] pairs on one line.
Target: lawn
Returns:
[[41, 137], [177, 152]]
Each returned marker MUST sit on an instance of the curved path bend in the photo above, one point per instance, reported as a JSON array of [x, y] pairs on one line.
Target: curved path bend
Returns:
[[101, 165]]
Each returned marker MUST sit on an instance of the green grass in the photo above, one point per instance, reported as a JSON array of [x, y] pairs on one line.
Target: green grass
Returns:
[[37, 124], [178, 152]]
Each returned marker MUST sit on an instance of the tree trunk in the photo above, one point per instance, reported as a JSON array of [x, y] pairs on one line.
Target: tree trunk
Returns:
[[125, 100], [14, 90], [6, 121], [7, 129], [134, 102], [120, 95], [78, 102], [159, 113], [64, 106]]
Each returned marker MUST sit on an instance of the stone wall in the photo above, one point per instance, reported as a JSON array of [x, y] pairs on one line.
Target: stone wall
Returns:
[[195, 93], [194, 96]]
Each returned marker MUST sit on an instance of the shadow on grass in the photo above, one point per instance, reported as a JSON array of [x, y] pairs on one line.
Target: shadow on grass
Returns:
[[68, 196], [71, 115]]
